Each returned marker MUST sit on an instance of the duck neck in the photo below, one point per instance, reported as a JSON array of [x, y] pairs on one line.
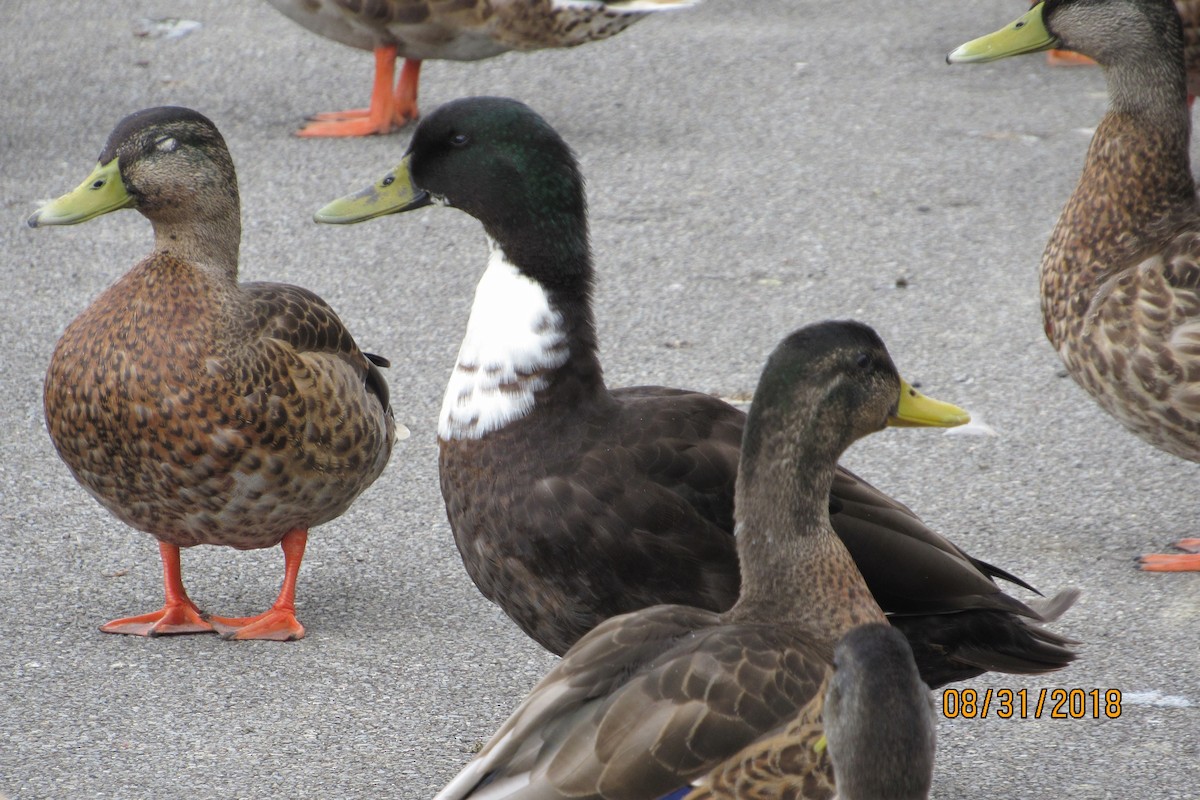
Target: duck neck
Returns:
[[794, 567], [1137, 177], [525, 341], [202, 232]]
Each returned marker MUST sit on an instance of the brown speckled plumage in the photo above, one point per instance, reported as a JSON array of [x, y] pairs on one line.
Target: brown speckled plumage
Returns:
[[462, 30], [198, 409], [457, 30], [206, 415], [1120, 288], [1119, 281], [1120, 276], [786, 766]]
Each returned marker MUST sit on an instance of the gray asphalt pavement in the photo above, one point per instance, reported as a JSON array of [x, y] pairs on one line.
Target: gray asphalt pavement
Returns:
[[752, 166]]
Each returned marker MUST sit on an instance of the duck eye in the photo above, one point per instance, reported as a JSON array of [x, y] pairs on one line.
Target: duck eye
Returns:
[[863, 361], [459, 139], [166, 144]]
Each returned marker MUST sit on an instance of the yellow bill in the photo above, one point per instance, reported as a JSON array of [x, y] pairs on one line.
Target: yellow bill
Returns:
[[391, 194], [915, 410], [102, 192], [1027, 35]]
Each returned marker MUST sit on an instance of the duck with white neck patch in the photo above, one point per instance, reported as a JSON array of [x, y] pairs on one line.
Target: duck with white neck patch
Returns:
[[570, 502], [513, 338]]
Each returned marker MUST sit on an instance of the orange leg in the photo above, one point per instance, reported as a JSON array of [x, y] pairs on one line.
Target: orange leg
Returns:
[[178, 615], [280, 623], [389, 110], [1161, 562]]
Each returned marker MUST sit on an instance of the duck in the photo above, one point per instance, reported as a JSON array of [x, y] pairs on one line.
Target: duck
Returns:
[[1119, 288], [879, 722], [196, 408], [417, 30], [571, 502], [651, 700]]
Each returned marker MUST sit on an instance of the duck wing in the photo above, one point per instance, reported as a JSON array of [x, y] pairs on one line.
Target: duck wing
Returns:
[[644, 704]]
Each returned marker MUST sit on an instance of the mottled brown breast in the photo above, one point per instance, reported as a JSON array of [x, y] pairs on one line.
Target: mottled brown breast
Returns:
[[1119, 282], [184, 423]]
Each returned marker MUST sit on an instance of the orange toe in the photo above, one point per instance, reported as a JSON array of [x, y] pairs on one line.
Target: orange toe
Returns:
[[278, 625], [1162, 562], [172, 619], [346, 127], [1188, 545], [338, 116], [1068, 58]]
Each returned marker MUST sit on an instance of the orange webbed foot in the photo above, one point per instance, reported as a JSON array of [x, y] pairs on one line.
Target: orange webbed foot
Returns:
[[338, 116], [278, 625], [337, 124], [390, 109], [172, 619], [1188, 561], [1068, 58]]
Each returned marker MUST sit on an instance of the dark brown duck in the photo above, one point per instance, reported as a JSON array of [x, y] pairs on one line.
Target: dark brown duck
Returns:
[[570, 502]]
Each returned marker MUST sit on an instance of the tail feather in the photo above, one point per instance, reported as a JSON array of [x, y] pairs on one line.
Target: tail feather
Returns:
[[959, 646]]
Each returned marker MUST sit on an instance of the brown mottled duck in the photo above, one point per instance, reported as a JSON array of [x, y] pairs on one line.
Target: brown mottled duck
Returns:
[[1120, 277], [457, 30], [196, 408]]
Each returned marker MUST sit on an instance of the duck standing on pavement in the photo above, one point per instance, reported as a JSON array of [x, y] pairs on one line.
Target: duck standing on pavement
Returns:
[[458, 31], [1120, 276], [196, 408]]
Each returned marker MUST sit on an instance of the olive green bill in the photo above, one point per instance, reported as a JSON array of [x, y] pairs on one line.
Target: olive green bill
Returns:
[[915, 410], [391, 194], [1027, 35], [103, 191]]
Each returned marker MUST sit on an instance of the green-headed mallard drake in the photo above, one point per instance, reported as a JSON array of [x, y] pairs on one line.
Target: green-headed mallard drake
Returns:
[[571, 503], [652, 700], [458, 30], [1120, 277], [196, 408]]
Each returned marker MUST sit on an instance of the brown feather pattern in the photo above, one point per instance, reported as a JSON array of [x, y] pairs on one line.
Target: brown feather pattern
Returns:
[[462, 30], [1119, 277], [204, 411]]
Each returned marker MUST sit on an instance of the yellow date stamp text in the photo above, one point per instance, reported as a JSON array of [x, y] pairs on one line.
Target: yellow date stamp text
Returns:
[[1032, 703]]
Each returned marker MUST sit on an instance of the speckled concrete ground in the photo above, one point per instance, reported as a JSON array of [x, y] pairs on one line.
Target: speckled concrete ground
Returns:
[[752, 166]]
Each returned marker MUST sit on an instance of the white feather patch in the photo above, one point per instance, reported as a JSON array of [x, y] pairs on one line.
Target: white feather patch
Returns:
[[512, 336]]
